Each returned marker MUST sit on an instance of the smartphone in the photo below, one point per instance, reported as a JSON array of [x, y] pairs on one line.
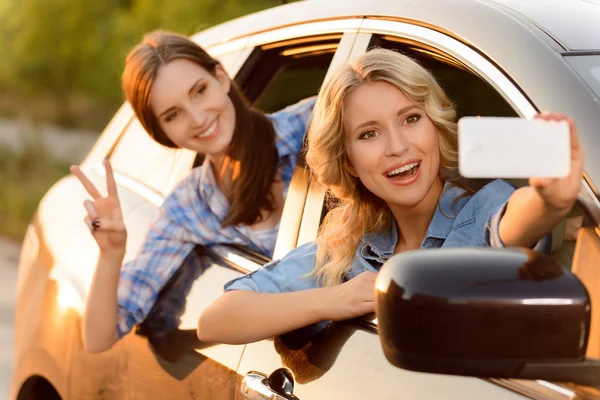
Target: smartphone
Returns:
[[505, 147]]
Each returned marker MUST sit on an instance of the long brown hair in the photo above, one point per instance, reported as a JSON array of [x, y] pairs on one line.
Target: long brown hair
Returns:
[[252, 149]]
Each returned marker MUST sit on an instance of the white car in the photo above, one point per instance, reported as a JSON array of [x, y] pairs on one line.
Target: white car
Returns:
[[500, 58]]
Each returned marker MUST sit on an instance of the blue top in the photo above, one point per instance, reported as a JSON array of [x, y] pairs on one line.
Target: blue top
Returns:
[[472, 222], [190, 216]]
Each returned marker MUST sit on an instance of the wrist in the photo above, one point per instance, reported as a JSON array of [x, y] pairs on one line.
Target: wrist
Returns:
[[323, 303], [113, 256]]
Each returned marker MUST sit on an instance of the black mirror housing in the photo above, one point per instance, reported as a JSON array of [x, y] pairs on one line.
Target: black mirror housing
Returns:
[[481, 312]]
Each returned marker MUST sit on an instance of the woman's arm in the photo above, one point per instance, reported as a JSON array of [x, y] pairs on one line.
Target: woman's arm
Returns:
[[105, 221], [532, 212], [101, 309], [243, 316]]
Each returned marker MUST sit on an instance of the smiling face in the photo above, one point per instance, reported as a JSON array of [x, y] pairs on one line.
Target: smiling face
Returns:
[[193, 107], [392, 145]]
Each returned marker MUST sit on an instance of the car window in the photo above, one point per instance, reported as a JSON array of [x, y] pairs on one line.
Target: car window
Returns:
[[280, 74], [139, 157], [588, 67]]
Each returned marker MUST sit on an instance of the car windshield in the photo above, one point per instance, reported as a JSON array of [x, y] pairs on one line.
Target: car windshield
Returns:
[[588, 67]]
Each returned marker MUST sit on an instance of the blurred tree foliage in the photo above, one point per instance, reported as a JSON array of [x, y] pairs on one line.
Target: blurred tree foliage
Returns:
[[62, 59]]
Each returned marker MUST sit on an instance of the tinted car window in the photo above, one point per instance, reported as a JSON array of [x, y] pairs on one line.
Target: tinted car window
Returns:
[[281, 74], [588, 67]]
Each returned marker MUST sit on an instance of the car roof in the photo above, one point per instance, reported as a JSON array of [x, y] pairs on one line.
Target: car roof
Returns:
[[573, 24]]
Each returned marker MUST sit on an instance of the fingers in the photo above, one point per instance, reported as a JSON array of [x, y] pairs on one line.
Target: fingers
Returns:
[[89, 207], [576, 149], [367, 307], [367, 285], [549, 116], [111, 185], [88, 222], [94, 222], [87, 184], [102, 224], [541, 183]]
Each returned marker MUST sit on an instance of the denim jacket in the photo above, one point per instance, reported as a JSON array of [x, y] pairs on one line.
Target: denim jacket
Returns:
[[471, 221]]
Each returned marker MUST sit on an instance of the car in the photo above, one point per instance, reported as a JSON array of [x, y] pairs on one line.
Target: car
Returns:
[[494, 58]]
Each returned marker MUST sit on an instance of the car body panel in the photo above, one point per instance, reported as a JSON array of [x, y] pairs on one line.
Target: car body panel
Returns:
[[353, 355], [557, 17]]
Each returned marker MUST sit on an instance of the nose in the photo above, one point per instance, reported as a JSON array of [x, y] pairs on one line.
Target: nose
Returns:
[[198, 117], [397, 144]]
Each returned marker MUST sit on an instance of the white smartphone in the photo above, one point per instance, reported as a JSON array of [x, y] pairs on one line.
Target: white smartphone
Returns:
[[503, 147]]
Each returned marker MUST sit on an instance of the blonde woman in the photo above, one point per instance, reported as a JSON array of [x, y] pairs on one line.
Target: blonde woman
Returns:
[[383, 140]]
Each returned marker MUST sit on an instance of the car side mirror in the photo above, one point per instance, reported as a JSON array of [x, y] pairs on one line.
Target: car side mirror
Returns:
[[496, 313]]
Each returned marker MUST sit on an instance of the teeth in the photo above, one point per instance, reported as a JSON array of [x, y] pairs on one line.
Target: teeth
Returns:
[[402, 169], [209, 131]]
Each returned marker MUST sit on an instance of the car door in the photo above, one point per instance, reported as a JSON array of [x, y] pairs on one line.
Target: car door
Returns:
[[346, 359]]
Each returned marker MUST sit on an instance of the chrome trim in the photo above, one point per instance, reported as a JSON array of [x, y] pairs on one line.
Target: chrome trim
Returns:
[[223, 48], [528, 388], [588, 194], [279, 34], [256, 386], [229, 254], [308, 29], [570, 394], [131, 184], [459, 50]]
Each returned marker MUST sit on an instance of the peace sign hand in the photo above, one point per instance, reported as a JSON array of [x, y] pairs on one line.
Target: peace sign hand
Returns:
[[104, 217]]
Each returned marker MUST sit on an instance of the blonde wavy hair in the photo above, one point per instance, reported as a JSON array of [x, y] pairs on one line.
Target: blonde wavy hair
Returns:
[[356, 211]]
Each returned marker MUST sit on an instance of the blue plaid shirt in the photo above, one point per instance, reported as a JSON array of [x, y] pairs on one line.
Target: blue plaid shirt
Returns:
[[190, 216]]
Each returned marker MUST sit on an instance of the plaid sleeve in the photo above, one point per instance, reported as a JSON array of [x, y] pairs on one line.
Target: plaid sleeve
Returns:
[[167, 245], [291, 124]]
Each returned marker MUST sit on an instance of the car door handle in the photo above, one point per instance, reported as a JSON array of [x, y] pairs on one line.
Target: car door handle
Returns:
[[278, 386]]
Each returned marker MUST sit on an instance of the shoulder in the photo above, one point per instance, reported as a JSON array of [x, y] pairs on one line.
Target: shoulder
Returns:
[[186, 190], [495, 192], [293, 117], [182, 208], [302, 107], [487, 199], [290, 126]]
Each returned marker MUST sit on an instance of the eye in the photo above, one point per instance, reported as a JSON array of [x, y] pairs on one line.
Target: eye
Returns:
[[201, 89], [171, 116], [369, 135], [411, 119]]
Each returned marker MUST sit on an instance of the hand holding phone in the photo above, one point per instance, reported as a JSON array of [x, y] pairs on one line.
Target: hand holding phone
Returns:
[[548, 153], [498, 147]]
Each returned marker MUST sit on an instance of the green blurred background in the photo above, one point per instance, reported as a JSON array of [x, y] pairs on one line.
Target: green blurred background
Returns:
[[60, 68]]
